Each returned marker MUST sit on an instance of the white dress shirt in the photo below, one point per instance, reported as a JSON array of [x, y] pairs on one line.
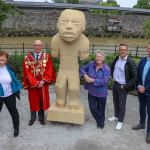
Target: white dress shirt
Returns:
[[39, 55], [119, 71]]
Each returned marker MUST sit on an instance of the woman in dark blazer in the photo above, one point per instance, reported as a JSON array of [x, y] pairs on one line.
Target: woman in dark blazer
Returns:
[[9, 87]]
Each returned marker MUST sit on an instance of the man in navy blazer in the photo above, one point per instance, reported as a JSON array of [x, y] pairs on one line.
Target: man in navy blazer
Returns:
[[143, 87]]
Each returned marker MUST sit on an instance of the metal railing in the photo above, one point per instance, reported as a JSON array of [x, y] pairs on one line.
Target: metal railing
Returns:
[[21, 48], [136, 51]]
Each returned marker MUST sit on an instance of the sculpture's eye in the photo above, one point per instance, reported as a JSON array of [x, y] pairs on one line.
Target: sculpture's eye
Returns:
[[76, 22], [63, 21]]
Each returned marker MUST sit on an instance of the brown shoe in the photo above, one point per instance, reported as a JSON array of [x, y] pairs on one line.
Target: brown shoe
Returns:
[[138, 127], [31, 122], [148, 139]]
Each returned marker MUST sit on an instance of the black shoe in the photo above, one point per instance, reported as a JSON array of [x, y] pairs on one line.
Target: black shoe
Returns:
[[42, 121], [31, 122], [16, 132], [139, 126], [100, 126], [148, 139]]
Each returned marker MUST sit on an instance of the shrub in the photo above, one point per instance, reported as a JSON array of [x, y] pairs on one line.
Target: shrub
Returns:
[[16, 60], [147, 28]]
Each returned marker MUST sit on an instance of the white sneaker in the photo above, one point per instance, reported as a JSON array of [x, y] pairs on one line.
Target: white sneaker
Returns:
[[113, 118], [119, 125]]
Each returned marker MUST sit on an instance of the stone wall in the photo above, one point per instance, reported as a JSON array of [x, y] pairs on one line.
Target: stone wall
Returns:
[[42, 21]]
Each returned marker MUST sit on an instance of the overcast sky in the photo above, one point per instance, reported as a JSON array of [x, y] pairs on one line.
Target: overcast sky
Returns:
[[122, 3]]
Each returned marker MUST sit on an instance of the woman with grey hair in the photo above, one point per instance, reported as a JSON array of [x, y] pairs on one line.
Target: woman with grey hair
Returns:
[[97, 75]]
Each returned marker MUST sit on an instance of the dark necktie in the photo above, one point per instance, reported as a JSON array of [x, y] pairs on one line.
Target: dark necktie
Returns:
[[36, 57]]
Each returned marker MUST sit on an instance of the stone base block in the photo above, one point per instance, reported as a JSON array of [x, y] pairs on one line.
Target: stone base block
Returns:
[[75, 116]]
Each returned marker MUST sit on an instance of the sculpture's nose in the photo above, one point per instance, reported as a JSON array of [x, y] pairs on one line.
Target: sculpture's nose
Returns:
[[69, 25]]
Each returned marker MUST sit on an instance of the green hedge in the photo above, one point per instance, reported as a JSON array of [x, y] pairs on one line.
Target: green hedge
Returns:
[[16, 60]]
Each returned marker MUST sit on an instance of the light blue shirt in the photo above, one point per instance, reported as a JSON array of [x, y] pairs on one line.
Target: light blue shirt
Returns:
[[146, 68]]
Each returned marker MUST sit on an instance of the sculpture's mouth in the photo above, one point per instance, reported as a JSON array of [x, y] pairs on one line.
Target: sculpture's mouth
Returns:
[[69, 34]]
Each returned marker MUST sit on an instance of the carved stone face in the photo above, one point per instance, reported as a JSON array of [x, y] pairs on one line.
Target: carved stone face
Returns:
[[71, 24]]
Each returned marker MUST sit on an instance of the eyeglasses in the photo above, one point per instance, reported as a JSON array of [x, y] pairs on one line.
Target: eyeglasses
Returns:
[[37, 45]]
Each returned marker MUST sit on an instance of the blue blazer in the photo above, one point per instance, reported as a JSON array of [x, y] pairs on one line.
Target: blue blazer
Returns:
[[15, 84], [147, 78]]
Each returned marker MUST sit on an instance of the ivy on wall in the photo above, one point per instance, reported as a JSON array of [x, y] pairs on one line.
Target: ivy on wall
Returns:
[[5, 10], [147, 28]]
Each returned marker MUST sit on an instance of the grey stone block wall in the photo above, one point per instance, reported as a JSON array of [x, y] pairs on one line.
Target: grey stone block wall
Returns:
[[42, 21]]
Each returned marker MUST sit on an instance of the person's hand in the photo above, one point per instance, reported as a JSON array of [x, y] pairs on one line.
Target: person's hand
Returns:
[[87, 79], [41, 84], [91, 80], [141, 89]]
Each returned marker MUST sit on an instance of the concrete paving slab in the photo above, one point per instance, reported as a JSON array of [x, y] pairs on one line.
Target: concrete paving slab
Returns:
[[62, 136]]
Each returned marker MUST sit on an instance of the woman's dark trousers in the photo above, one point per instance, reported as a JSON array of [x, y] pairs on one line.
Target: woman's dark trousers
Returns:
[[97, 108], [10, 103]]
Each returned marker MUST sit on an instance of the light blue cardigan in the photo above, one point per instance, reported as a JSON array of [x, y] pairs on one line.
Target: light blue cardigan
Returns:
[[15, 84]]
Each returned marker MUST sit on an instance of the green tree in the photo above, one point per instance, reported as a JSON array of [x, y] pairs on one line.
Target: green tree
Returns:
[[67, 1], [72, 1], [145, 4], [60, 1], [5, 10], [110, 3]]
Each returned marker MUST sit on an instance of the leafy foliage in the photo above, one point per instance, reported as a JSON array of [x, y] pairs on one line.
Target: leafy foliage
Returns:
[[72, 1], [16, 60], [147, 28], [56, 62], [67, 1], [108, 3], [60, 1], [145, 4], [5, 10]]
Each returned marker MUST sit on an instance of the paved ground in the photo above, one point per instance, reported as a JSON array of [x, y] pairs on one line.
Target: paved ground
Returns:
[[61, 136]]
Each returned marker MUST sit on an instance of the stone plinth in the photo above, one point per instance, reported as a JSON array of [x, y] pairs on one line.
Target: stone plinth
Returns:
[[75, 116]]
